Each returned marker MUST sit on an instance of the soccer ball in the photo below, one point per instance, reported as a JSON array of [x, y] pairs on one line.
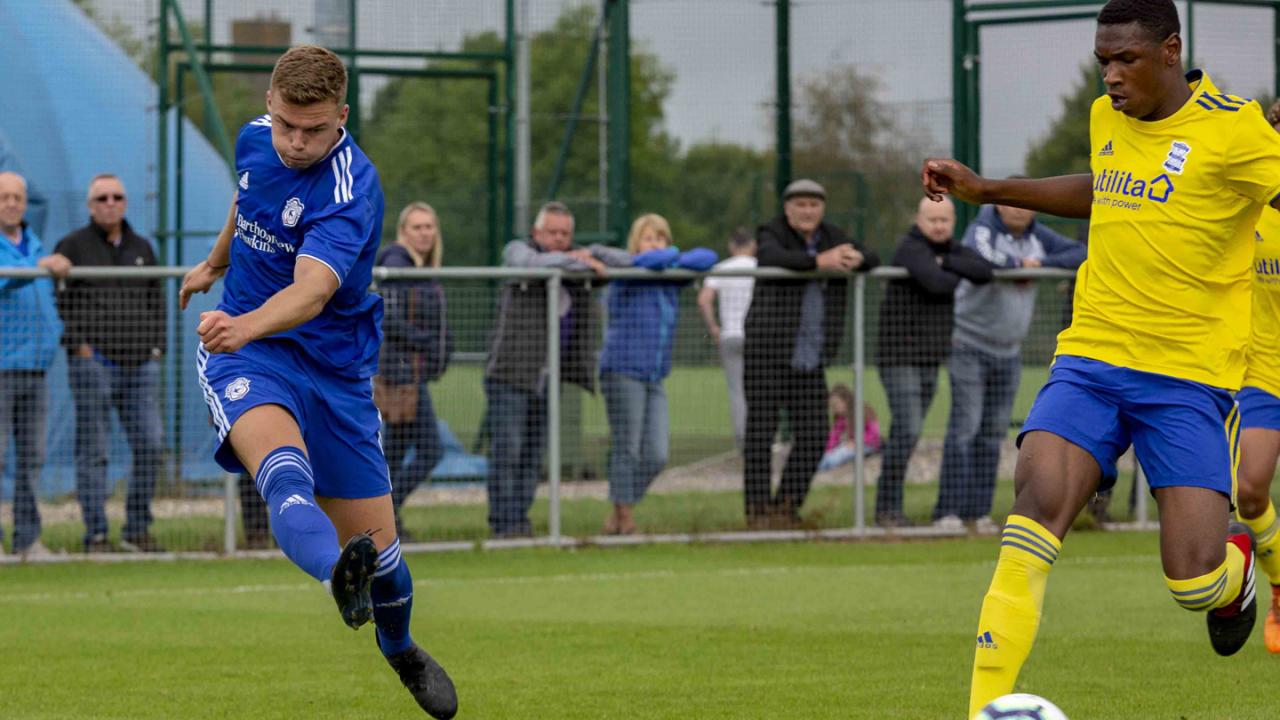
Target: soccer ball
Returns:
[[1020, 706]]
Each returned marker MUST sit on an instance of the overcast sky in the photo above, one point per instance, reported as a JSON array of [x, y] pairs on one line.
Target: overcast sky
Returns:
[[721, 52]]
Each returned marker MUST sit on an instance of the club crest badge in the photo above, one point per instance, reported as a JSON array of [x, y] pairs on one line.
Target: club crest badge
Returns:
[[292, 212], [237, 388], [1177, 159]]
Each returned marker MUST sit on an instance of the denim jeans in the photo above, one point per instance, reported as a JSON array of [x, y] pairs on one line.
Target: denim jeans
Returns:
[[982, 392], [97, 387], [639, 435], [24, 406], [422, 436], [910, 389], [517, 423]]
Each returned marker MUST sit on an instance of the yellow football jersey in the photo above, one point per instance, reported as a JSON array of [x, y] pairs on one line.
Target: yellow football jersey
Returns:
[[1264, 338], [1167, 285]]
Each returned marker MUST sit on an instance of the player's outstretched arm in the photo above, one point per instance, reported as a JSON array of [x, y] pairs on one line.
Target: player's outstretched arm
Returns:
[[313, 284], [206, 273], [1064, 196]]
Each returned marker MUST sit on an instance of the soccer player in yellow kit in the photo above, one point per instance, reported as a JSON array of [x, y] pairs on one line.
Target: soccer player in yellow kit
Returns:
[[1259, 402], [1180, 174]]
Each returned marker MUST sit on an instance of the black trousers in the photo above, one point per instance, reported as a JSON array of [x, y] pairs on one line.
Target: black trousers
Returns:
[[770, 389]]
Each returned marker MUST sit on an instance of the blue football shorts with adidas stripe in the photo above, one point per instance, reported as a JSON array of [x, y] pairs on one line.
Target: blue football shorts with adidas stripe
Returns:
[[1258, 409], [1184, 433], [339, 422]]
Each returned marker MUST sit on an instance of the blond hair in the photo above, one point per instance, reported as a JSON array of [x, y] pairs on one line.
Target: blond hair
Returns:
[[648, 221], [308, 74], [436, 256]]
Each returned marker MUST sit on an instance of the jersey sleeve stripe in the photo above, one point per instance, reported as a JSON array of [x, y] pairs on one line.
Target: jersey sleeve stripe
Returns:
[[1204, 104], [322, 262], [337, 181], [1219, 103], [1231, 99], [350, 179]]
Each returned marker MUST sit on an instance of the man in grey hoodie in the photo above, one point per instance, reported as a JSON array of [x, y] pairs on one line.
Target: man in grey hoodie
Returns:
[[985, 367]]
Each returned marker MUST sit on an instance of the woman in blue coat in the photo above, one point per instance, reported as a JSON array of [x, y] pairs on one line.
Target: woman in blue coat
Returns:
[[415, 350], [635, 360]]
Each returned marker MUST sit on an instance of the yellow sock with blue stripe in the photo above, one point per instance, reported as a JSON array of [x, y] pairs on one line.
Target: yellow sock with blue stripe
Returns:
[[1213, 589], [1267, 530], [1011, 610]]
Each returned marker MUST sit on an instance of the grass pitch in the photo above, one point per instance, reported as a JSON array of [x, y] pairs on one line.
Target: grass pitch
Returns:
[[812, 630]]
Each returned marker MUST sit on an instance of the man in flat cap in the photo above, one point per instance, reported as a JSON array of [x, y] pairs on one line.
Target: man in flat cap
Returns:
[[793, 329]]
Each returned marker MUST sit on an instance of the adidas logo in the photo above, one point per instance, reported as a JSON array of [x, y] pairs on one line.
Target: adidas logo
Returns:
[[1106, 150], [986, 642], [291, 501], [244, 179]]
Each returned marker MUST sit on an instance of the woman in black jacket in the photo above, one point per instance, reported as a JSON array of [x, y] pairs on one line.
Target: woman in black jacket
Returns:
[[415, 350], [916, 319]]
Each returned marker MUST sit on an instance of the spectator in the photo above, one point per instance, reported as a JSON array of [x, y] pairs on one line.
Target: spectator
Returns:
[[515, 378], [29, 332], [635, 360], [793, 329], [841, 443], [916, 318], [991, 321], [415, 350], [734, 294], [114, 338]]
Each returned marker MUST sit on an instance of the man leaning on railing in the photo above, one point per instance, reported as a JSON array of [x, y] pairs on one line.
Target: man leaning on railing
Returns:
[[29, 332]]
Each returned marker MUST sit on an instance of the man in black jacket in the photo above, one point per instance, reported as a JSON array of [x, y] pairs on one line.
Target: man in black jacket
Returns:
[[793, 329], [114, 336], [916, 319]]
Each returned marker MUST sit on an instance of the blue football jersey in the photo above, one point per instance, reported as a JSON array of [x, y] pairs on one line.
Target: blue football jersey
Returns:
[[330, 212]]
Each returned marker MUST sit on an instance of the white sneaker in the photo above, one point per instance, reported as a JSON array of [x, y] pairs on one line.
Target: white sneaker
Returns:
[[949, 522], [35, 551], [986, 526]]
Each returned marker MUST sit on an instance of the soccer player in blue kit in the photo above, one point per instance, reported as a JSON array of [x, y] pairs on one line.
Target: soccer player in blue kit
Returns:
[[286, 360]]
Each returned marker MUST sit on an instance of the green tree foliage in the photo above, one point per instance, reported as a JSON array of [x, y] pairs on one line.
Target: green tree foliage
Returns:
[[1065, 149], [429, 140], [854, 143]]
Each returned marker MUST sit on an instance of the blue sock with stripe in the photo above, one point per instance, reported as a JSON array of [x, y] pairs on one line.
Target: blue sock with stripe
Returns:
[[392, 593], [303, 531]]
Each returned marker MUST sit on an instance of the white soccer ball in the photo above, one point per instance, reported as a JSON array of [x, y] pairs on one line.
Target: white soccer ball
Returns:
[[1020, 706]]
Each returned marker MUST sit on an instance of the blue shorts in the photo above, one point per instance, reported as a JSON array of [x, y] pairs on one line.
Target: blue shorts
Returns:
[[1185, 433], [1258, 409], [339, 422]]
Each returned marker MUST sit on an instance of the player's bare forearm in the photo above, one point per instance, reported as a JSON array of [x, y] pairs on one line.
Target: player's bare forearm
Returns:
[[1065, 196], [313, 284], [206, 273]]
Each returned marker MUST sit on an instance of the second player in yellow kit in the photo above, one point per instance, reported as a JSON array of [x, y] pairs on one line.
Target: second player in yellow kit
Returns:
[[1180, 172], [1259, 401]]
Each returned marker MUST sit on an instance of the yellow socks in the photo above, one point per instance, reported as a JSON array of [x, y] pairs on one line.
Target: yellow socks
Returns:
[[1213, 589], [1267, 530], [1011, 610]]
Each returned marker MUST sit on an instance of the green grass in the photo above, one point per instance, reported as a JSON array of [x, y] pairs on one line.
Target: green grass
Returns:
[[698, 408], [813, 630]]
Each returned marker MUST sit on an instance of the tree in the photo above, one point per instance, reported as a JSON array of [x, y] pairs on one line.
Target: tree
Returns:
[[1064, 150], [853, 142]]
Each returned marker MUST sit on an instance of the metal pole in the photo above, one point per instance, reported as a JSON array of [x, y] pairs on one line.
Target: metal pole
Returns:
[[619, 110], [553, 408], [1275, 49], [523, 93], [1191, 32], [162, 135], [492, 183], [782, 26], [602, 129], [859, 395], [230, 498], [509, 84]]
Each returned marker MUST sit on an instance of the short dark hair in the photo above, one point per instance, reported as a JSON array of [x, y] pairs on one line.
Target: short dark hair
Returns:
[[1159, 18], [741, 238], [309, 74]]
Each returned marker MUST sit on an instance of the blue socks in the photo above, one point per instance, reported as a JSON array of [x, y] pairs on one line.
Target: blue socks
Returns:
[[392, 601], [303, 531]]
